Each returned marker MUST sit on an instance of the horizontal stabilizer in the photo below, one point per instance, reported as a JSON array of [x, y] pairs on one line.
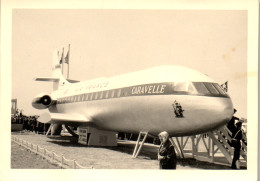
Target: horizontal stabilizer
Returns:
[[72, 81], [61, 118], [48, 79]]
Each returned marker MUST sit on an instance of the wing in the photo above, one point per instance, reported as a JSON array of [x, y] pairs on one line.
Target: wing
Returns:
[[62, 118]]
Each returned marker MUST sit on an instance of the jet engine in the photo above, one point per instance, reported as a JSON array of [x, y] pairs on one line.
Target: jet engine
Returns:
[[43, 101]]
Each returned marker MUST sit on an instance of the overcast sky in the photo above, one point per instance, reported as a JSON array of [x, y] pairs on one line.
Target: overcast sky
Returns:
[[106, 43]]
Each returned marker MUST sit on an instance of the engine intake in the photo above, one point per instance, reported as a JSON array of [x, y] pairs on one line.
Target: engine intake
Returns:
[[43, 101]]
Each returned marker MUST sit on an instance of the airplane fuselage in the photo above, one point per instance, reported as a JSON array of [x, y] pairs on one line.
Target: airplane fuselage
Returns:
[[169, 98]]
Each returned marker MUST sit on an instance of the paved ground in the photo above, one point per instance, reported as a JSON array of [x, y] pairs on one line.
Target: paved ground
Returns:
[[119, 157]]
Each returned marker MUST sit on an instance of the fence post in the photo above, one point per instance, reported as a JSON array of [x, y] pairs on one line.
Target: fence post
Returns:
[[61, 161], [52, 156], [27, 145], [32, 146], [36, 149], [74, 164], [43, 153]]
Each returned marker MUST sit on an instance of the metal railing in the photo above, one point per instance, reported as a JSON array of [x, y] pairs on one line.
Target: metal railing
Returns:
[[51, 156]]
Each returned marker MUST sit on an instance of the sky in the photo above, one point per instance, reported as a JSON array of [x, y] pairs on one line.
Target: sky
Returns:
[[105, 43]]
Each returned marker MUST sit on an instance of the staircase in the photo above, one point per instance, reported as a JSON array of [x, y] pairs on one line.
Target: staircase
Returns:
[[212, 147], [221, 138]]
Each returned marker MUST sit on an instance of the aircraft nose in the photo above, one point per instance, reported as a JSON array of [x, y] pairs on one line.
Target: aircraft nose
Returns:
[[221, 112]]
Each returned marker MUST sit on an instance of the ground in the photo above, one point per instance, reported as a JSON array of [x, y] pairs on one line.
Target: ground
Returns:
[[119, 157], [22, 158]]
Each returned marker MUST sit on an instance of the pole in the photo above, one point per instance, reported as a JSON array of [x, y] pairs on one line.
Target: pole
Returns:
[[142, 143], [68, 62], [137, 145], [62, 60]]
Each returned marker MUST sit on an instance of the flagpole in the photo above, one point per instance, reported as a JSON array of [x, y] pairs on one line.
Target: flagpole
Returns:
[[62, 60], [68, 62]]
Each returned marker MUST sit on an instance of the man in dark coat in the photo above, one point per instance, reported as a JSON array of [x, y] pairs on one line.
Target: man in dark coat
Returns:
[[231, 124], [237, 145], [166, 153]]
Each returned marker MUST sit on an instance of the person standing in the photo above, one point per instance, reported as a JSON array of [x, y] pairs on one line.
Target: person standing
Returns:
[[166, 153], [237, 137], [231, 124]]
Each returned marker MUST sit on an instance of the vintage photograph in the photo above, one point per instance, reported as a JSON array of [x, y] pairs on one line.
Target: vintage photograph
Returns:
[[162, 90]]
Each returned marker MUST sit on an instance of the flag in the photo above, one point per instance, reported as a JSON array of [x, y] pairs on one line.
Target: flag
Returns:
[[61, 59], [225, 86], [67, 57]]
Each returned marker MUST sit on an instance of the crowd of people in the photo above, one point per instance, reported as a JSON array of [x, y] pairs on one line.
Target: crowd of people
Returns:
[[29, 123]]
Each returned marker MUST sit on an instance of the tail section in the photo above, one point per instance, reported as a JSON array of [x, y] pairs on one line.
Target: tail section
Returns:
[[56, 72], [57, 77]]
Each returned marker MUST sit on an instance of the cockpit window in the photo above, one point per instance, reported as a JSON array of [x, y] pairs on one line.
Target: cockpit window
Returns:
[[221, 91], [183, 87], [201, 88], [191, 88], [211, 88], [188, 87], [207, 88], [180, 86]]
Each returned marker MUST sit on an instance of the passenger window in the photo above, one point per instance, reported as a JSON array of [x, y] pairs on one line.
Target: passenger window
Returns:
[[200, 88], [96, 96], [125, 93], [211, 88], [107, 93], [101, 95], [81, 97], [119, 93], [91, 95], [113, 93]]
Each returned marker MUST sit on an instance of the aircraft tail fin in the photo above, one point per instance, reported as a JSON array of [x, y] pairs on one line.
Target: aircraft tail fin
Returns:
[[57, 77]]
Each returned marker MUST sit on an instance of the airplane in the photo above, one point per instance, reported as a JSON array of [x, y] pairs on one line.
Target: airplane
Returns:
[[176, 99]]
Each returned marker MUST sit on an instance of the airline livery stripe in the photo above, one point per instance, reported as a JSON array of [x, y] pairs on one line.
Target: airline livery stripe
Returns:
[[181, 88]]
